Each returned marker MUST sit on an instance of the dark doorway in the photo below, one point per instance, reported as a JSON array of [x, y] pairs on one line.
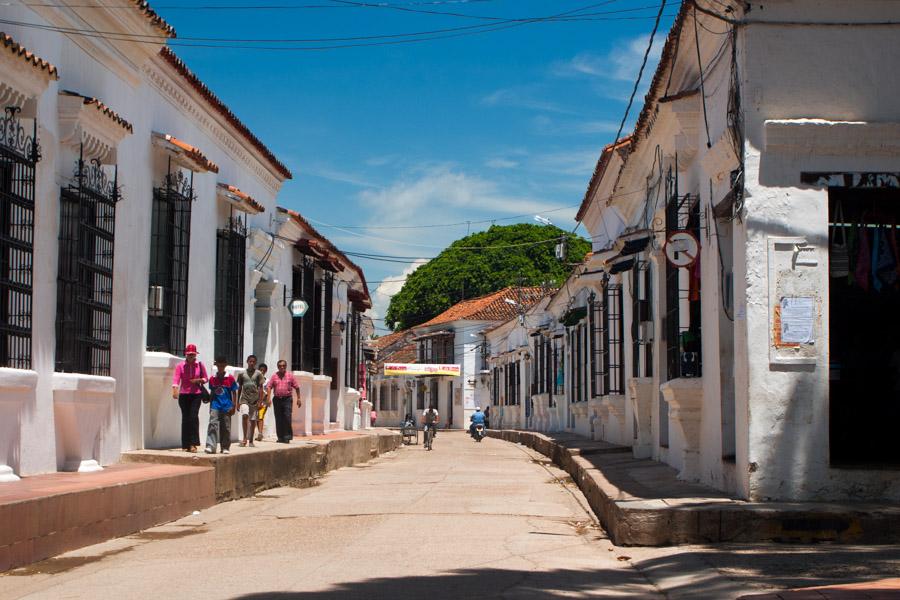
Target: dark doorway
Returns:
[[864, 326]]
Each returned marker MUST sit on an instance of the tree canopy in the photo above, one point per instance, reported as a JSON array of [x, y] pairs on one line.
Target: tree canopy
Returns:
[[481, 263]]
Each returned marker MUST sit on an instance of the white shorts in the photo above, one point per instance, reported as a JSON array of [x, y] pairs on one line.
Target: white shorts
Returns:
[[245, 409]]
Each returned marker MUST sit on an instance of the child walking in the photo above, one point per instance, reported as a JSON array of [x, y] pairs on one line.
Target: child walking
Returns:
[[260, 422], [224, 389]]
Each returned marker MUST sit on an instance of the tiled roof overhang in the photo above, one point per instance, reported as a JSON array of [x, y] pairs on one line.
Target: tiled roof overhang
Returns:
[[238, 199], [599, 171], [323, 245], [191, 156], [169, 56], [157, 21], [102, 109], [17, 49]]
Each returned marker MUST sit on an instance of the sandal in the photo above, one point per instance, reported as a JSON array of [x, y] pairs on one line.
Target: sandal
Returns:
[[243, 443]]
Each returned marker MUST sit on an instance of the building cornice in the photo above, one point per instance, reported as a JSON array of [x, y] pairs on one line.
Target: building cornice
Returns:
[[187, 101]]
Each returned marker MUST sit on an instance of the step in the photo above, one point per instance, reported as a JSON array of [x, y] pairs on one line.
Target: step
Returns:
[[642, 502], [46, 515]]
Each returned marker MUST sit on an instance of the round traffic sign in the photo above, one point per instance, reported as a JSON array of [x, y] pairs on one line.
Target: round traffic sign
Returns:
[[681, 248]]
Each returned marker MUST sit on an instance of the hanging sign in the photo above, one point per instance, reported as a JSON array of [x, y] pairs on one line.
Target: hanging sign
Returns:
[[420, 369], [681, 249], [298, 308]]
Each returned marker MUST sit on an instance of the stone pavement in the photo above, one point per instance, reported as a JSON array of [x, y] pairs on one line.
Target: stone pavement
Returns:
[[487, 520]]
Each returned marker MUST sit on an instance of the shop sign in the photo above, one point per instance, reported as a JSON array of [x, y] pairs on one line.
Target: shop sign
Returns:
[[421, 369]]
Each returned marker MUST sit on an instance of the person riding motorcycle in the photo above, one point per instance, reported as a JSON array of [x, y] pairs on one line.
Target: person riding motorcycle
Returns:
[[477, 418]]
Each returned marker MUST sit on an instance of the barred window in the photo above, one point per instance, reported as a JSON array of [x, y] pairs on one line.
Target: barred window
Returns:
[[683, 335], [231, 252], [598, 348], [324, 304], [303, 356], [87, 227], [170, 245], [19, 154], [614, 377], [353, 348]]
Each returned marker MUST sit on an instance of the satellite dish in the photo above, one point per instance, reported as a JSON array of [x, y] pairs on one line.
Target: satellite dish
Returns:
[[682, 248]]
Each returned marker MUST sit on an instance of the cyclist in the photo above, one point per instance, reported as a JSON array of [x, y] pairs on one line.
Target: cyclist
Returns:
[[430, 419]]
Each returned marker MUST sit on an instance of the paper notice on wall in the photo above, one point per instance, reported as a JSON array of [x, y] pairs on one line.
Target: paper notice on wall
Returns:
[[797, 320]]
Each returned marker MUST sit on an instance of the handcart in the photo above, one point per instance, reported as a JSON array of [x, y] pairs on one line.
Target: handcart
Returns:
[[410, 433]]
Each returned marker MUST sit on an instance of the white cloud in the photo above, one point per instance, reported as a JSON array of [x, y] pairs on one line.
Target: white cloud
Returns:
[[392, 284], [546, 126], [615, 68], [325, 171], [501, 163], [522, 97]]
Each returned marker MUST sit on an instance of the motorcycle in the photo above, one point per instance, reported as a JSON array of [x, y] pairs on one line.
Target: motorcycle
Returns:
[[478, 432]]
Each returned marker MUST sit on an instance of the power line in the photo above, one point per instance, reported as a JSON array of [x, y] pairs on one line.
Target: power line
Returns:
[[434, 225], [364, 41]]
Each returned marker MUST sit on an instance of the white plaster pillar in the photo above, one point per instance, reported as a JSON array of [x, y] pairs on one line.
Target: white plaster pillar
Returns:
[[615, 410], [685, 398], [162, 417], [350, 401], [320, 403], [17, 388], [365, 414], [640, 394], [81, 407], [301, 418]]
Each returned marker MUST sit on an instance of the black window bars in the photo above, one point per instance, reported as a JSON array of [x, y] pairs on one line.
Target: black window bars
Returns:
[[85, 271], [614, 377], [19, 154], [303, 355], [231, 254], [170, 244]]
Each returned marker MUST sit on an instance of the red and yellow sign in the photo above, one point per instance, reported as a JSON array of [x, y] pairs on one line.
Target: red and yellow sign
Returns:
[[421, 369]]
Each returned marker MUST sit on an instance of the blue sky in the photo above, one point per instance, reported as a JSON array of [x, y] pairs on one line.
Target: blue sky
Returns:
[[476, 127]]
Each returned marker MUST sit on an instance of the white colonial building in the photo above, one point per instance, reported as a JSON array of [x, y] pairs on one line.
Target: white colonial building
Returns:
[[140, 214], [454, 337], [737, 318]]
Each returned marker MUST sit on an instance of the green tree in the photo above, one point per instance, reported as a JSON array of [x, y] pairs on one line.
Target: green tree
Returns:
[[481, 263]]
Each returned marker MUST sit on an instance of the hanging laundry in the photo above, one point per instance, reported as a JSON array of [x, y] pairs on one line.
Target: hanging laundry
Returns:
[[884, 266], [838, 255], [694, 285], [863, 259]]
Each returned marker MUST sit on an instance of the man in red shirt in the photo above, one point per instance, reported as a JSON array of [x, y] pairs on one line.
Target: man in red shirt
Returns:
[[283, 385]]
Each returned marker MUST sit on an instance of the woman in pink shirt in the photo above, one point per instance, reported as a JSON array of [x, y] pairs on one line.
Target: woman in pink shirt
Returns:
[[189, 376]]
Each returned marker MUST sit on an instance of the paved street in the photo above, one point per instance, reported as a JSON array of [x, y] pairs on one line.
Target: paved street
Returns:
[[490, 519]]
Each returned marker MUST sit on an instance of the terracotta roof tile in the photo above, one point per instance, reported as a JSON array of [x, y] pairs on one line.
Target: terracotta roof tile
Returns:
[[332, 249], [220, 107], [102, 108], [245, 199], [18, 49], [404, 354], [191, 152], [157, 21], [492, 307]]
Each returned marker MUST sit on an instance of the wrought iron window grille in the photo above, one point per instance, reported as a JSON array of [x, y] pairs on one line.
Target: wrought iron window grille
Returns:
[[85, 269], [231, 259], [170, 242], [19, 155], [614, 377]]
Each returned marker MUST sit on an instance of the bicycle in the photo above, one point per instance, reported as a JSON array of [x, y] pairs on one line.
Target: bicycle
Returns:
[[429, 436]]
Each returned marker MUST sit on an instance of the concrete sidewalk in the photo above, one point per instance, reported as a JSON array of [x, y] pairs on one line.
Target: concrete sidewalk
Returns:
[[884, 589], [641, 502], [46, 515]]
